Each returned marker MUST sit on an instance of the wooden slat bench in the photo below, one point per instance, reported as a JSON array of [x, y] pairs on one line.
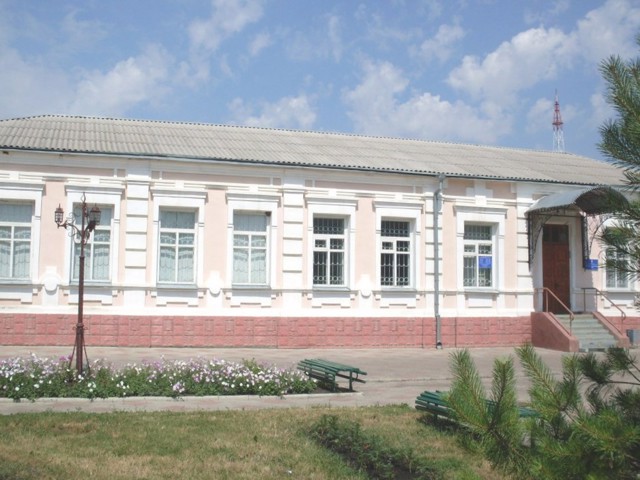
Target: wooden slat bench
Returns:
[[435, 402], [327, 371]]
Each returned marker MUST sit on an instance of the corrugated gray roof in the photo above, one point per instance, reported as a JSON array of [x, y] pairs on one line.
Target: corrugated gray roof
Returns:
[[287, 147]]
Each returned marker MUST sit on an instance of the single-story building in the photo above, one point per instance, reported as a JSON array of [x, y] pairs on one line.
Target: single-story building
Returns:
[[215, 235]]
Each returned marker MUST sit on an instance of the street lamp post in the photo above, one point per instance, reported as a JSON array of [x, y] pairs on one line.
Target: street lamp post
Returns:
[[90, 219]]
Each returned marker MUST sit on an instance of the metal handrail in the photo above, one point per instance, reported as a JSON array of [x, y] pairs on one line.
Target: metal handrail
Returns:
[[548, 292], [623, 315]]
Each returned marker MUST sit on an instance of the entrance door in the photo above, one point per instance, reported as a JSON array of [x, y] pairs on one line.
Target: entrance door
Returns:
[[555, 265]]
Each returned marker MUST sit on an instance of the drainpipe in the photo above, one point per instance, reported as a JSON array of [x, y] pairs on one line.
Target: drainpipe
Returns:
[[437, 205]]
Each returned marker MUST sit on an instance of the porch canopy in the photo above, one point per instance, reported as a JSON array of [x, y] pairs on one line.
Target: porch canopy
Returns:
[[590, 202]]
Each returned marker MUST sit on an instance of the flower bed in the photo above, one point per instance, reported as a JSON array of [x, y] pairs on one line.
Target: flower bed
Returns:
[[34, 377]]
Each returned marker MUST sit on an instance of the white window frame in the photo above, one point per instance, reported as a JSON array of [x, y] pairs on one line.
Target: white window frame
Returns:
[[478, 255], [186, 200], [89, 248], [406, 212], [328, 249], [395, 252], [15, 241], [98, 196], [617, 287], [178, 246], [257, 203], [27, 193], [250, 248], [337, 208], [494, 216]]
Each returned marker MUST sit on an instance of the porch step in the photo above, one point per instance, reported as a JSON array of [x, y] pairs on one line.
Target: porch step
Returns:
[[589, 332]]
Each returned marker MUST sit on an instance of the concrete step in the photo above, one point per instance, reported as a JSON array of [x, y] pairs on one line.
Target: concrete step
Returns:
[[589, 332]]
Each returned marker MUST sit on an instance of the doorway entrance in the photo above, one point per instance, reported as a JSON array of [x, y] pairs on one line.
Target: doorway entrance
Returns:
[[556, 266]]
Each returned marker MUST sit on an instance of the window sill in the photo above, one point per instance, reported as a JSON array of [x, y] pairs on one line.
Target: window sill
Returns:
[[250, 287], [92, 284], [398, 289], [23, 282], [176, 286], [331, 288], [491, 291]]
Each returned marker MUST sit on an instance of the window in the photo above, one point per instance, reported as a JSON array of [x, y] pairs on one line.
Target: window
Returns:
[[617, 278], [15, 240], [395, 256], [250, 248], [97, 251], [329, 239], [478, 255], [177, 246]]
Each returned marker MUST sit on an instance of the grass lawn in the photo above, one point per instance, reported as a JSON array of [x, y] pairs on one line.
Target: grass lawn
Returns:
[[260, 444]]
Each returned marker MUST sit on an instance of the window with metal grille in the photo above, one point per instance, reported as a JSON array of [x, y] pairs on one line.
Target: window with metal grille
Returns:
[[395, 253], [329, 240], [478, 255], [15, 240], [250, 246], [97, 251], [176, 262]]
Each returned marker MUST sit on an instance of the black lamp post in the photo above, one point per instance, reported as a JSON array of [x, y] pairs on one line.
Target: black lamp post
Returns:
[[90, 219]]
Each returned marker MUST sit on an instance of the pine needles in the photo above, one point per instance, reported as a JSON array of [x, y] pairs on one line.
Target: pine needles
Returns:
[[588, 422]]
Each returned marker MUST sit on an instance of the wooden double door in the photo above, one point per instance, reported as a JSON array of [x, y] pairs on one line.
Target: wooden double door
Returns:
[[556, 266]]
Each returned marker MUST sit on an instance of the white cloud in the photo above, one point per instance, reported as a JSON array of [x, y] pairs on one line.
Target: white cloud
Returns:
[[540, 54], [320, 42], [609, 30], [540, 115], [375, 95], [528, 58], [39, 84], [228, 17], [442, 44], [334, 37], [29, 87], [375, 110], [131, 82], [259, 43], [288, 112], [80, 34], [555, 8], [601, 110]]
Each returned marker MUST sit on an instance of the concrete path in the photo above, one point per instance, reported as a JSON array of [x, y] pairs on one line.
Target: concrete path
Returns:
[[394, 376]]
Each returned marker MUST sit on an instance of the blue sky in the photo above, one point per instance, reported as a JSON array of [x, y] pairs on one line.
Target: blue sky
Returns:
[[469, 71]]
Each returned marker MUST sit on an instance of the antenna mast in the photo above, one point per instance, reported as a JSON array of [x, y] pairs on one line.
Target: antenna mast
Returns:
[[558, 133]]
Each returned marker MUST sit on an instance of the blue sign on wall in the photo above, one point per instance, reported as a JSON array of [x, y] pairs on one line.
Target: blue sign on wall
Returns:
[[591, 264], [485, 262]]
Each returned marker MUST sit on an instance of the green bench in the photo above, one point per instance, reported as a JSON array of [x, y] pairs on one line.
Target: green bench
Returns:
[[326, 372], [436, 403]]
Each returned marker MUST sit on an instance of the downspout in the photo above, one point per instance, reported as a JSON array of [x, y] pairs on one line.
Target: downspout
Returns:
[[437, 205]]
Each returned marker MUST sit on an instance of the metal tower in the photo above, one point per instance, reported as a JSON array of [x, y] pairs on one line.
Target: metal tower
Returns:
[[558, 134]]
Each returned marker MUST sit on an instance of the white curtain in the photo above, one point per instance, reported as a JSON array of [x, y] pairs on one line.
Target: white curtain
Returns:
[[177, 246], [250, 248]]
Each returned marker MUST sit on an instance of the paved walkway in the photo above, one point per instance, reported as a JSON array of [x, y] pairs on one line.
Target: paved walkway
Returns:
[[394, 376]]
